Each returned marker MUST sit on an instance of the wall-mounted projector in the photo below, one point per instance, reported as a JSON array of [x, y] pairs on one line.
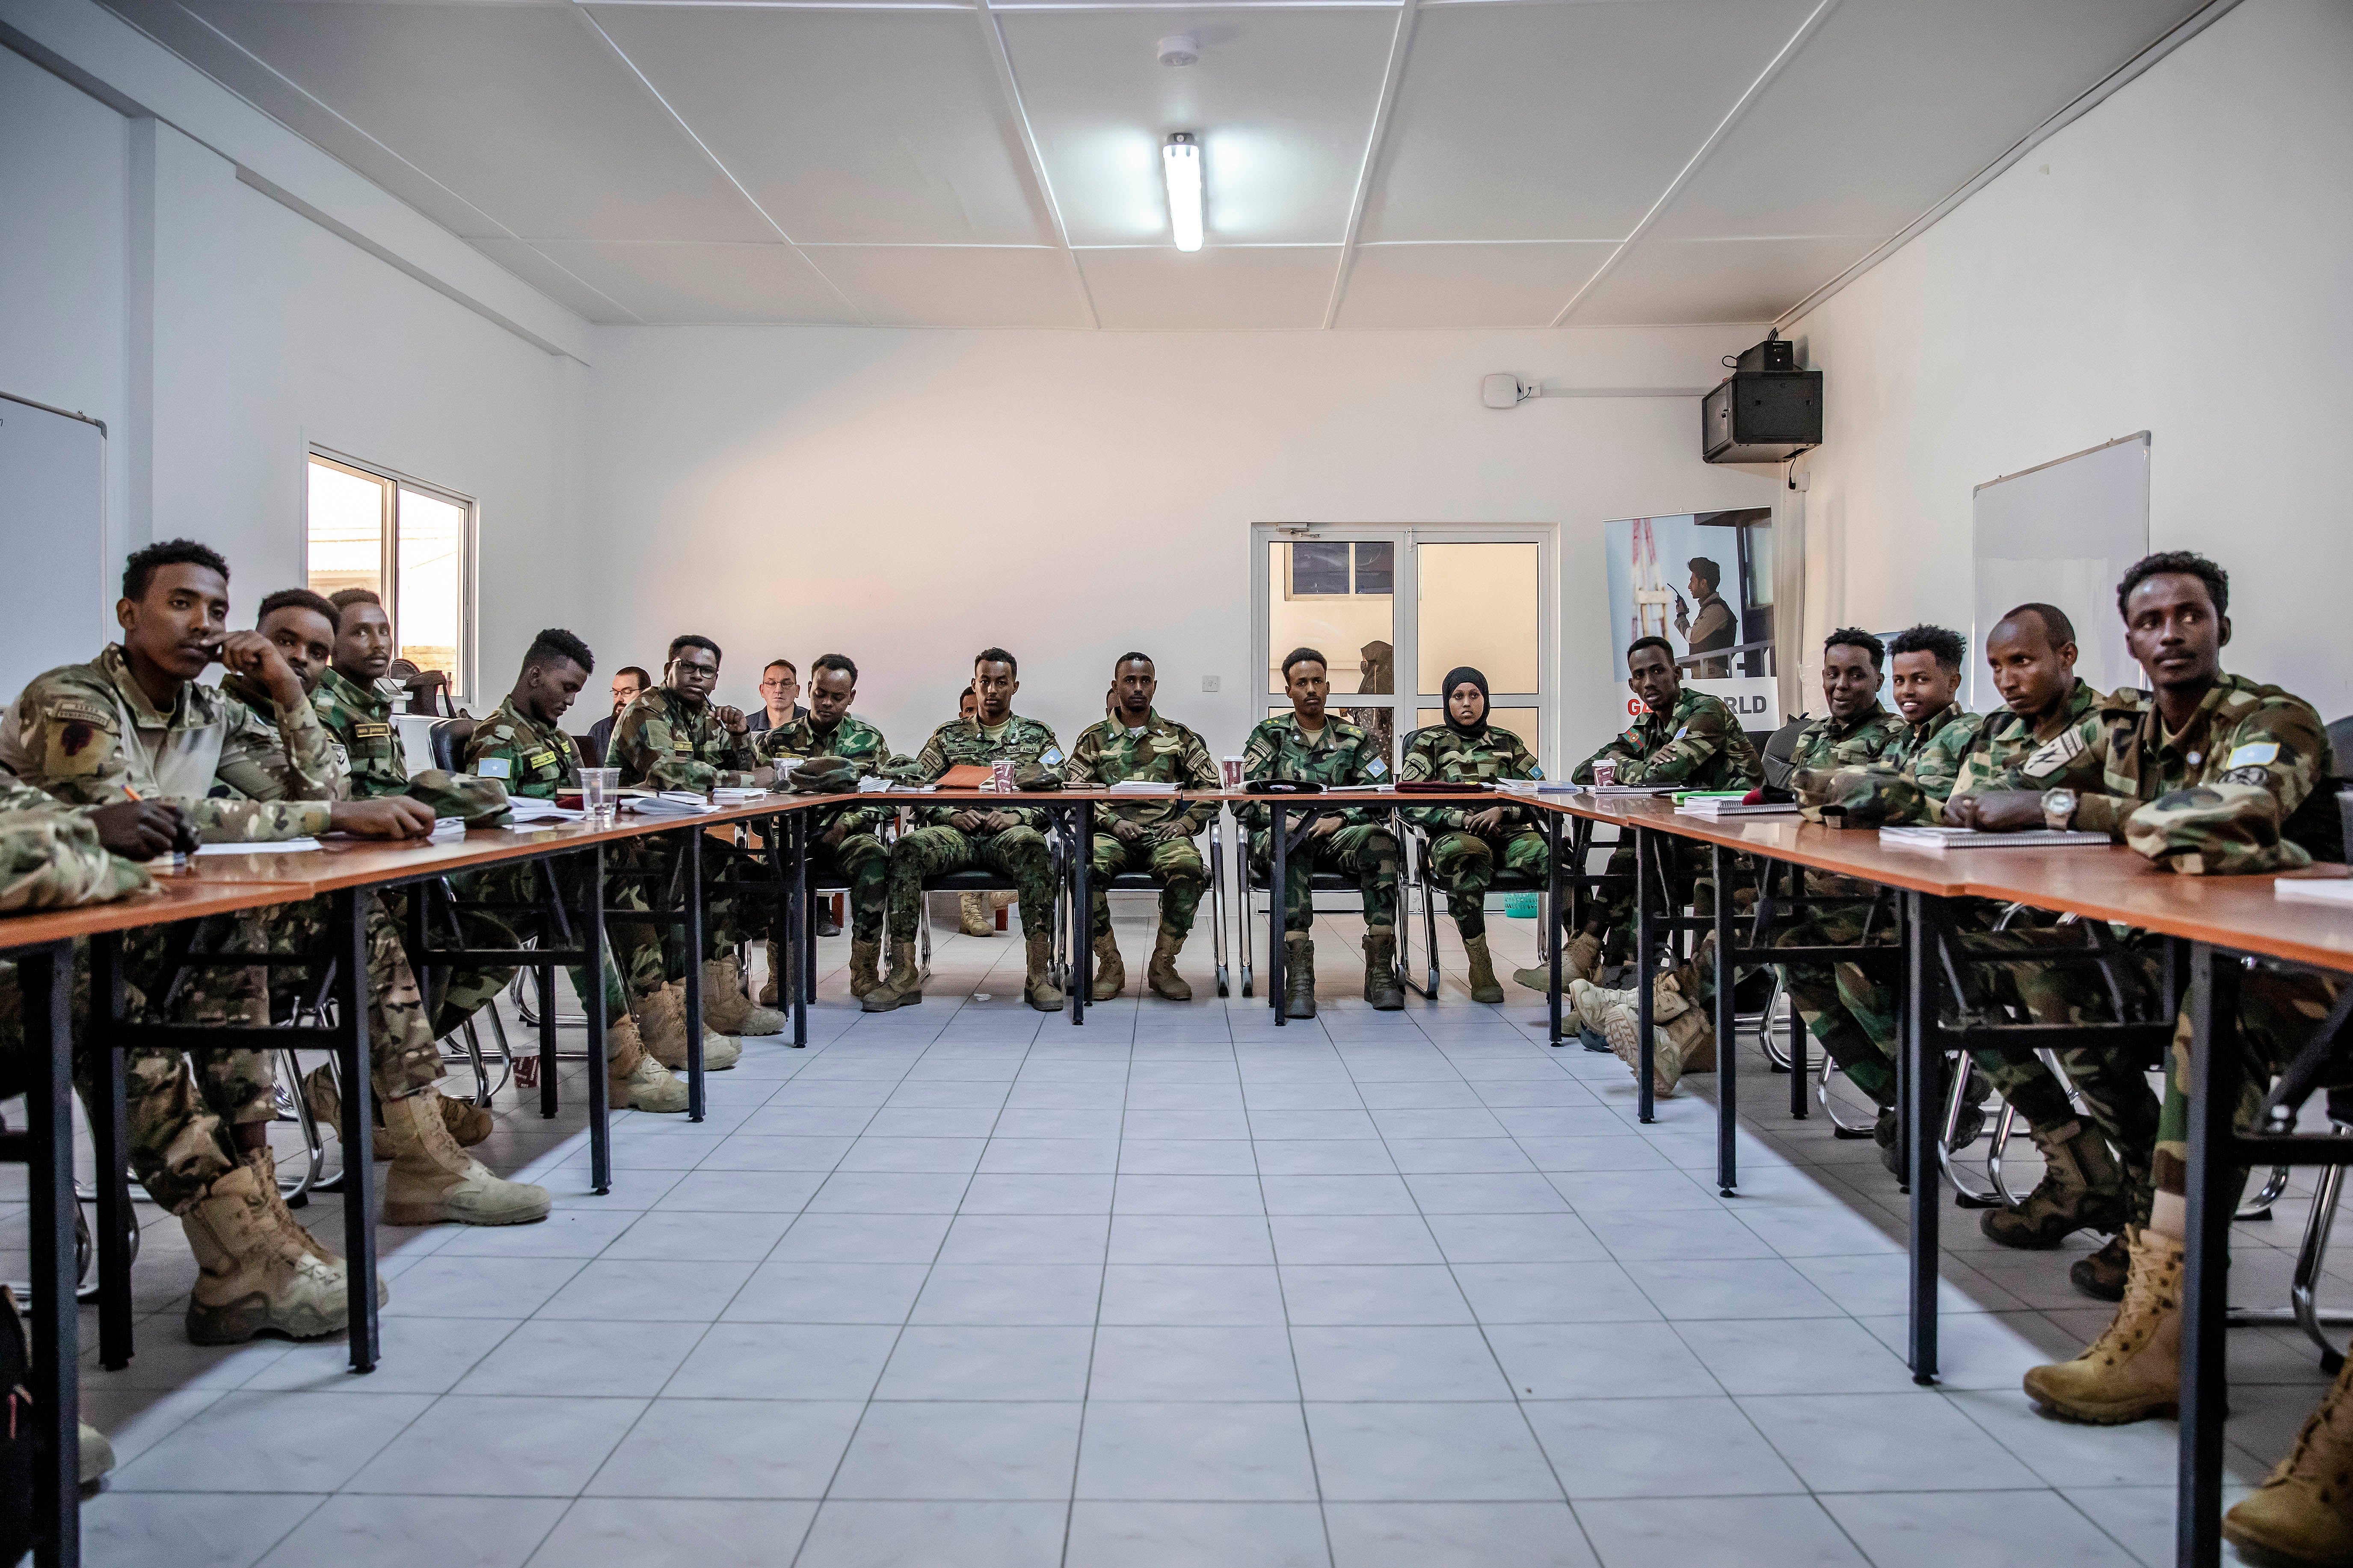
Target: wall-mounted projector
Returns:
[[1766, 411]]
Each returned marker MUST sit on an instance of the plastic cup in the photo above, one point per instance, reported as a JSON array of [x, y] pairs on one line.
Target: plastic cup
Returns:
[[1605, 772], [1000, 775], [1232, 767], [600, 794]]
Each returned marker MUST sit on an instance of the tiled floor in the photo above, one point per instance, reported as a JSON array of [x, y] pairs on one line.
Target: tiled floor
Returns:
[[965, 1285]]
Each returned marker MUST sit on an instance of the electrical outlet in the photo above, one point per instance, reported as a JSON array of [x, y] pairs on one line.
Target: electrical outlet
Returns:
[[1208, 683]]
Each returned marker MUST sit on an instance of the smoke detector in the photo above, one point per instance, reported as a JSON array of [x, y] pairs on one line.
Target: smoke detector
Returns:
[[1180, 50]]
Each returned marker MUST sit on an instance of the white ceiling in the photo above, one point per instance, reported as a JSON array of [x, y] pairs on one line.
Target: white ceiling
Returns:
[[1370, 163]]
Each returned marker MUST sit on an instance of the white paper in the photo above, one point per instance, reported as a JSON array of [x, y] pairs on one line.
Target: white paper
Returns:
[[2304, 891], [1141, 786], [530, 810], [281, 847], [1936, 840]]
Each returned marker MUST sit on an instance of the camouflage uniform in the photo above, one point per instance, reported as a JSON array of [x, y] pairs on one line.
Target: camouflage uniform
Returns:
[[1697, 744], [88, 735], [662, 742], [2246, 787], [534, 762], [938, 847], [1849, 1012], [1163, 751], [360, 719], [1461, 861], [860, 861], [1343, 754]]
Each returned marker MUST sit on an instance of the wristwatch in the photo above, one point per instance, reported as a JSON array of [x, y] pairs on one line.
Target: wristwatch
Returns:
[[2058, 809]]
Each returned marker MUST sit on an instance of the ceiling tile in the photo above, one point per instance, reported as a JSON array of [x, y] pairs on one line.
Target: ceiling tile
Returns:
[[1283, 100], [1218, 287], [1687, 282], [566, 288], [955, 286], [671, 283], [1562, 121], [521, 110], [1894, 105], [1466, 285], [877, 127]]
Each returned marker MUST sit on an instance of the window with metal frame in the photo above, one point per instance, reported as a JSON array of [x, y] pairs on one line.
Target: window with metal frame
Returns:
[[410, 543]]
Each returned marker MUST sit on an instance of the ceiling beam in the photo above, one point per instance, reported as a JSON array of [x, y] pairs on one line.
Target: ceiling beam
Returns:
[[1716, 137], [725, 172], [993, 38], [1399, 42]]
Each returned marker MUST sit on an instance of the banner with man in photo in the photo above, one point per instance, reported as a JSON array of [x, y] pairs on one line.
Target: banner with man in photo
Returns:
[[1703, 581]]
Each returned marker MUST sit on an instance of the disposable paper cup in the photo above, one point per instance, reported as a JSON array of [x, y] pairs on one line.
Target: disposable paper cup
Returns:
[[1001, 774], [1605, 772], [1233, 771]]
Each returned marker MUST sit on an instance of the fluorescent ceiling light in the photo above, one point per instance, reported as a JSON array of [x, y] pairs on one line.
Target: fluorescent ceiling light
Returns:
[[1180, 160]]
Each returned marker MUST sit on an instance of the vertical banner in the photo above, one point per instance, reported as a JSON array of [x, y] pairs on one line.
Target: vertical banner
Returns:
[[1700, 580]]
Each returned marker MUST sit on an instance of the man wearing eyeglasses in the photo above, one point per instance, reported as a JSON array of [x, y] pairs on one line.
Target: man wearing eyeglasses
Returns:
[[780, 695]]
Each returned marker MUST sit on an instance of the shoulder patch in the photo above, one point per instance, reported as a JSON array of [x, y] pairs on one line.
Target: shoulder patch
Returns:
[[2053, 754], [1051, 756], [494, 768], [2253, 755], [1377, 767], [78, 711]]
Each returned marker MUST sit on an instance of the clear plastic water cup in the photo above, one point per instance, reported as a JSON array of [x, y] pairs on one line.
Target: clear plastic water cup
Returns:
[[600, 795]]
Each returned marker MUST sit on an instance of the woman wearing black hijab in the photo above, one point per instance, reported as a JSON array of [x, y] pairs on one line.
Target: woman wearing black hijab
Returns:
[[1467, 842]]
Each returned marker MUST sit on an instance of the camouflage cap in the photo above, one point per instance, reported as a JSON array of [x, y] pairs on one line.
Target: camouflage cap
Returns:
[[902, 769], [823, 775], [482, 802], [2214, 830], [1035, 776]]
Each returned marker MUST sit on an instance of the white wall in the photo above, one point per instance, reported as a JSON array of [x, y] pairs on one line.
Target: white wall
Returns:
[[2181, 261], [909, 497], [218, 331]]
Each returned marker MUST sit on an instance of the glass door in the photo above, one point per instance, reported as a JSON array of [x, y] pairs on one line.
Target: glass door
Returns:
[[1393, 609]]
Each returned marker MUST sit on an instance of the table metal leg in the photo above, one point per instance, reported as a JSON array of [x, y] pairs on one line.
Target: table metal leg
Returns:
[[1083, 914], [347, 942], [800, 949], [692, 895], [110, 1140], [1645, 961], [1727, 1056], [601, 1080], [1918, 1101], [2206, 1282], [548, 1100], [1556, 929], [46, 981], [1277, 875]]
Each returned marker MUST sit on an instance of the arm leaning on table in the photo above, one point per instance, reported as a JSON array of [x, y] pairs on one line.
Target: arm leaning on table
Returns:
[[50, 854]]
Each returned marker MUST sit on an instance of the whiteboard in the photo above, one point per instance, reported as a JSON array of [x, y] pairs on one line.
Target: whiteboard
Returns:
[[2062, 533], [54, 604]]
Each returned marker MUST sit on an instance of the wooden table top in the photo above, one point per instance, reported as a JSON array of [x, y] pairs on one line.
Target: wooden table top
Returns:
[[174, 899]]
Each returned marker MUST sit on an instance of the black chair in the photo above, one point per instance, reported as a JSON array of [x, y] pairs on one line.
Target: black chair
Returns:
[[1141, 882], [1255, 882], [1414, 871], [448, 737]]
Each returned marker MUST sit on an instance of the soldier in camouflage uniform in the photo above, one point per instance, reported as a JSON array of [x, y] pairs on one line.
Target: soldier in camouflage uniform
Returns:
[[133, 725], [957, 838], [1309, 743], [2207, 774], [1156, 836], [673, 737], [1467, 845], [1684, 737], [523, 745], [851, 847]]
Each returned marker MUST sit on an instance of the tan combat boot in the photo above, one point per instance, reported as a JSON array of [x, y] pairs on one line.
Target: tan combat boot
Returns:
[[96, 1454], [2304, 1510], [865, 957], [255, 1273], [1037, 987], [1298, 975], [637, 1082], [433, 1180], [1162, 978], [2133, 1371], [1621, 1027], [469, 1122], [1592, 1002], [1381, 987], [768, 994], [660, 1019], [726, 1010], [2081, 1187], [1482, 971], [1111, 970], [1581, 960], [903, 987], [1685, 1022], [265, 1172], [976, 915]]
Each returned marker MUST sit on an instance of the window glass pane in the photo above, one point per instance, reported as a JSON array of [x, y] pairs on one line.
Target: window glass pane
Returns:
[[1521, 721], [1478, 604], [432, 535], [1375, 568], [346, 531], [1351, 630]]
